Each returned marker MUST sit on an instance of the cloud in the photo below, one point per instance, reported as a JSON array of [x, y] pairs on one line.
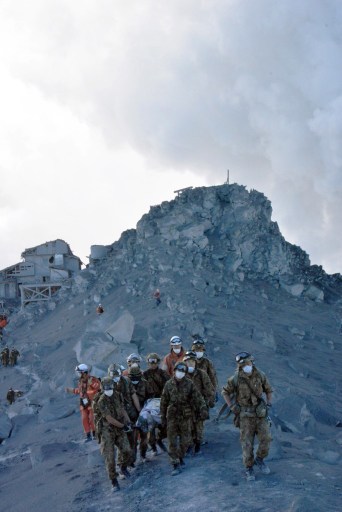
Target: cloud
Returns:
[[186, 86]]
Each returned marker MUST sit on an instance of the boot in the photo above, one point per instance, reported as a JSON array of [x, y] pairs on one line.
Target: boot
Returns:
[[88, 437], [94, 434], [181, 463], [197, 448], [115, 485], [154, 450], [250, 474], [176, 469], [125, 472], [161, 445], [259, 463]]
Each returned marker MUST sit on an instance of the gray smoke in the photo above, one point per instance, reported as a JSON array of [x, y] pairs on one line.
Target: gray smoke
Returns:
[[253, 86]]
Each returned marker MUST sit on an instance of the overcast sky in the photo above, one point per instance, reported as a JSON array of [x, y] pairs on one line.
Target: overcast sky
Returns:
[[107, 107]]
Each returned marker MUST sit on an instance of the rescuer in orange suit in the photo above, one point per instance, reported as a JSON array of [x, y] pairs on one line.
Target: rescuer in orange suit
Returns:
[[87, 388], [175, 355]]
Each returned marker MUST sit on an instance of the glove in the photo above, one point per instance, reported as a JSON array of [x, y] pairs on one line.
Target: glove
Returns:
[[127, 428], [235, 409], [204, 414], [85, 401]]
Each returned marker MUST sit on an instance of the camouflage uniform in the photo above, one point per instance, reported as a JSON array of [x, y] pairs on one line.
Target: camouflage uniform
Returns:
[[205, 387], [141, 391], [126, 390], [14, 356], [113, 436], [207, 366], [156, 380], [179, 402], [250, 424], [10, 396], [5, 356]]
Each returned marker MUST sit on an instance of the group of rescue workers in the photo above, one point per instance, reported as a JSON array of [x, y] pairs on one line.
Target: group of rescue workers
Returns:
[[187, 386]]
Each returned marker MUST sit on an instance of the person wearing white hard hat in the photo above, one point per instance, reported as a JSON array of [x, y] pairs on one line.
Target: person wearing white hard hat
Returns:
[[175, 355], [87, 388]]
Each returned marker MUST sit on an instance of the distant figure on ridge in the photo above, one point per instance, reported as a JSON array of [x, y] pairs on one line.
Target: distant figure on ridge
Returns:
[[156, 296], [99, 309]]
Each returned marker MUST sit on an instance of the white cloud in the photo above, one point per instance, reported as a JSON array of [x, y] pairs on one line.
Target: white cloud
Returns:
[[100, 98]]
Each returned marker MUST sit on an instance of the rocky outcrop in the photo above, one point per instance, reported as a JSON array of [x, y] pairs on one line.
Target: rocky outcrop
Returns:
[[219, 236]]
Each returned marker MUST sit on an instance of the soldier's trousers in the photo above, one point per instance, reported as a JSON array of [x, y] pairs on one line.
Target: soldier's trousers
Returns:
[[179, 438], [249, 429], [154, 436], [197, 430], [109, 440]]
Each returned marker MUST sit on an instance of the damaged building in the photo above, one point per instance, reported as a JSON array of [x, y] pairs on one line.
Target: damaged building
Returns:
[[41, 273]]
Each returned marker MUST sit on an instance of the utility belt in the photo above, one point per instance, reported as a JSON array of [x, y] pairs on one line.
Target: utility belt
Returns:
[[254, 411], [248, 412]]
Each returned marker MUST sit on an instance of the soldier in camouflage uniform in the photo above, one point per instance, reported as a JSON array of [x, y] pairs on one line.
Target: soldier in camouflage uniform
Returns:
[[113, 431], [243, 394], [156, 379], [5, 356], [140, 385], [130, 401], [203, 363], [205, 387], [14, 356], [179, 402]]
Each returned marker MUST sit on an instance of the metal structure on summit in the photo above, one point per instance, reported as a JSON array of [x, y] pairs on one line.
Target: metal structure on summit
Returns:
[[227, 180], [181, 190]]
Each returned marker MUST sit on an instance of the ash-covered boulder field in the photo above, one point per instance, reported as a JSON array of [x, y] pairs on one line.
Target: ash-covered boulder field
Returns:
[[225, 272]]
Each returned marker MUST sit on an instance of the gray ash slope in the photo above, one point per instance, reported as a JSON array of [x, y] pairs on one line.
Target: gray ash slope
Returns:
[[224, 271]]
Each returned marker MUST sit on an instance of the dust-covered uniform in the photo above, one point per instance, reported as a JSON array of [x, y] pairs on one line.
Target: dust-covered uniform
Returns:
[[203, 363], [250, 424], [139, 435], [126, 389], [205, 387], [179, 403], [5, 356], [87, 389], [14, 356], [112, 436], [156, 380]]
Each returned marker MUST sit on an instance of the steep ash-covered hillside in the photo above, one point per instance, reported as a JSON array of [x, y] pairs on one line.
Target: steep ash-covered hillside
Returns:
[[225, 272]]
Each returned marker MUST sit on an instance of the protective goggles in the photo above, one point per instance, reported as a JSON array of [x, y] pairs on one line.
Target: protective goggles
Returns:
[[181, 368], [152, 360], [242, 356], [106, 387]]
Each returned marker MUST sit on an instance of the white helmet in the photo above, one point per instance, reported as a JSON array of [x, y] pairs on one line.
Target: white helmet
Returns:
[[175, 340], [134, 357], [82, 368]]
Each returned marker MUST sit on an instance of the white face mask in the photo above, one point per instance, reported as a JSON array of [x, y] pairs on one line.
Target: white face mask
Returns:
[[135, 381], [179, 375], [116, 379], [134, 365], [109, 392], [177, 350], [248, 369], [199, 354], [191, 369]]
